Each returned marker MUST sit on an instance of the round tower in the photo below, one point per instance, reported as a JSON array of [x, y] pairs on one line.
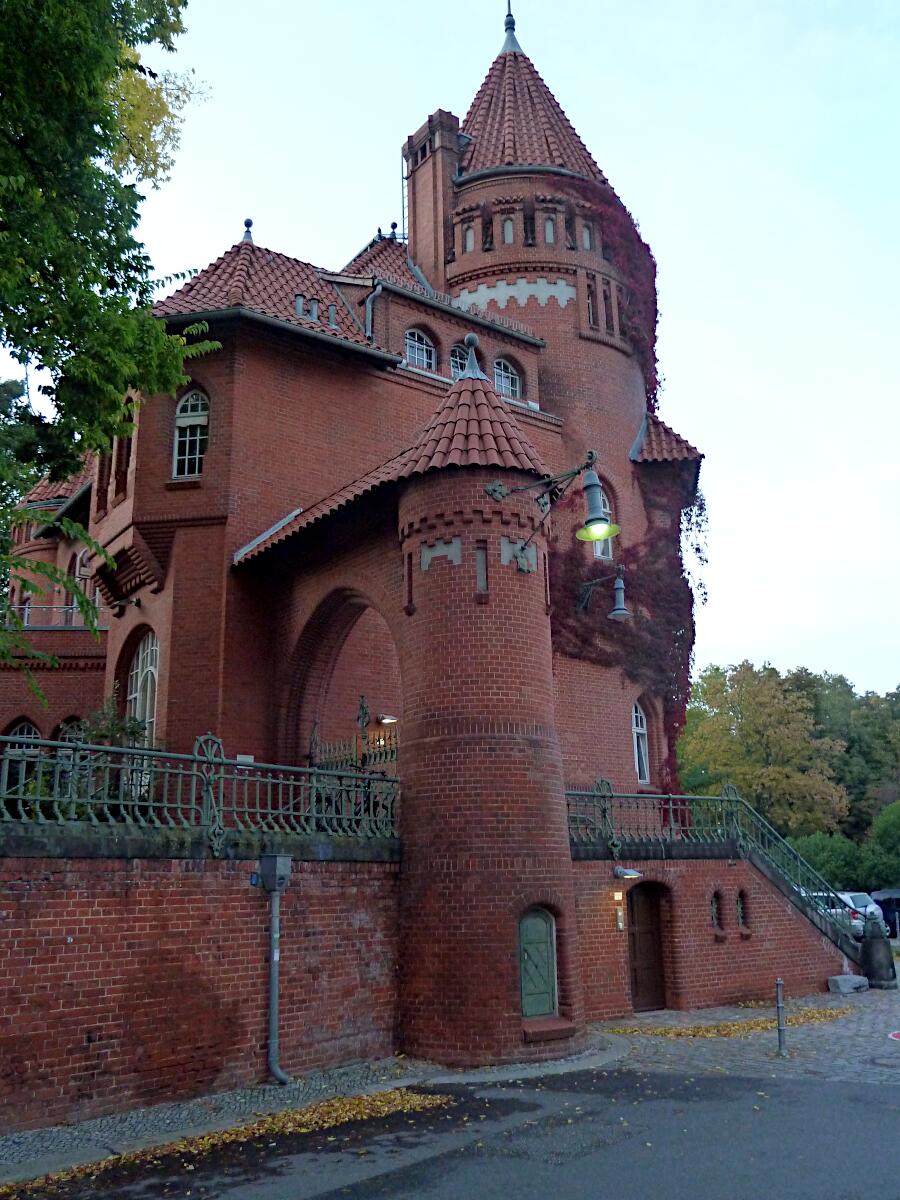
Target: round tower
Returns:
[[488, 946]]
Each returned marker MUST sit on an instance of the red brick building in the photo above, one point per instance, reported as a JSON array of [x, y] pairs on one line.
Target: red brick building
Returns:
[[313, 519]]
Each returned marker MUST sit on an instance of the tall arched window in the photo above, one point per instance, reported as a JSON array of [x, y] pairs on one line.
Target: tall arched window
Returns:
[[507, 380], [24, 729], [587, 236], [641, 744], [509, 231], [549, 230], [143, 676], [459, 356], [604, 549], [22, 760], [420, 350], [191, 436], [469, 239]]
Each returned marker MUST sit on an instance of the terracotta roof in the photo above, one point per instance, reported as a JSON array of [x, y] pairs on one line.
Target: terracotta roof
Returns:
[[515, 120], [248, 276], [656, 442], [471, 428], [388, 258], [47, 492]]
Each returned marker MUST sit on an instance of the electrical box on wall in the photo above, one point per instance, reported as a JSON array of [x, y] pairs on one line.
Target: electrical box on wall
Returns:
[[274, 872]]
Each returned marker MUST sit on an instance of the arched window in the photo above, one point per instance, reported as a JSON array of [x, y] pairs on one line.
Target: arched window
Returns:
[[459, 356], [25, 613], [604, 549], [22, 758], [537, 963], [549, 230], [191, 436], [641, 744], [587, 236], [68, 730], [24, 729], [469, 239], [143, 676], [715, 911], [509, 231], [507, 380], [419, 350], [742, 910]]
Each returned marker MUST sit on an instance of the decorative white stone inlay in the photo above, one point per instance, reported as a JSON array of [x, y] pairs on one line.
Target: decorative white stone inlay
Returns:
[[517, 554], [521, 291], [451, 550]]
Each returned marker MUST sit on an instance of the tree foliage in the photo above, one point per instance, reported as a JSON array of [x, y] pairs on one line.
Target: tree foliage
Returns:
[[881, 850], [80, 126], [834, 856]]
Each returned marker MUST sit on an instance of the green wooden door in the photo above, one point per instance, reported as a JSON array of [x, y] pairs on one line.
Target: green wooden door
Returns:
[[537, 964]]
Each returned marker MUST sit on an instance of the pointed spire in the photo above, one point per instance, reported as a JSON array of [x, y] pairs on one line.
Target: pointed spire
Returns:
[[472, 370], [511, 45]]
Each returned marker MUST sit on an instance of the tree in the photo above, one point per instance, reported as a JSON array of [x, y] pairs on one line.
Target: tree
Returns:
[[747, 727], [81, 123], [834, 856], [881, 851]]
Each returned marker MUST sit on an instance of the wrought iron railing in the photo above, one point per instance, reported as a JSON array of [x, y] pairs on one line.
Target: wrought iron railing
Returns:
[[69, 783], [631, 822], [52, 616]]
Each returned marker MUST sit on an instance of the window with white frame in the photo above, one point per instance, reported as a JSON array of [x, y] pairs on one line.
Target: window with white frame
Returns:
[[419, 350], [469, 239], [24, 729], [587, 236], [143, 677], [604, 549], [21, 758], [507, 380], [641, 744], [459, 356], [550, 230], [191, 435], [509, 231]]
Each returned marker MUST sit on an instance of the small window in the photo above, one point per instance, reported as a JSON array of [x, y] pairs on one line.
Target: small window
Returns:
[[313, 309], [592, 314], [608, 318], [420, 350], [459, 356], [715, 910], [143, 676], [641, 744], [24, 729], [604, 549], [469, 239], [549, 230], [587, 236], [509, 231], [507, 380], [191, 435], [22, 759], [742, 910]]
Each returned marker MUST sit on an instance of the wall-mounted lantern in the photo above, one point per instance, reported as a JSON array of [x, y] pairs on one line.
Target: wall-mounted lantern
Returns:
[[619, 611]]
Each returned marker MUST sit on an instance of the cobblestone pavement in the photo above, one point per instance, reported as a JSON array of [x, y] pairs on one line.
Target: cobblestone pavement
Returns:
[[855, 1048]]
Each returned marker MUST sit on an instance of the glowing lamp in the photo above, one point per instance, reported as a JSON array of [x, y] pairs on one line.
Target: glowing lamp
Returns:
[[597, 526]]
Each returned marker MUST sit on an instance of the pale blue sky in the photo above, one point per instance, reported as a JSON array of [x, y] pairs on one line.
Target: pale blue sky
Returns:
[[756, 144]]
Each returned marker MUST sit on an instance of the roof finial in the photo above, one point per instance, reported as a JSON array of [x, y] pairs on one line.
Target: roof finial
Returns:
[[248, 236], [472, 370], [511, 45]]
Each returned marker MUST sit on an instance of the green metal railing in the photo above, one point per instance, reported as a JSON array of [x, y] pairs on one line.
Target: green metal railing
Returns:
[[70, 783], [638, 823]]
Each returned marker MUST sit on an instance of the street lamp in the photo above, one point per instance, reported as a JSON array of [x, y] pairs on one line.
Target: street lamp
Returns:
[[619, 612]]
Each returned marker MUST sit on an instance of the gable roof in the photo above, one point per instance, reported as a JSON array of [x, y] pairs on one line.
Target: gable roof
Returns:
[[262, 281], [515, 120], [656, 442], [471, 427], [55, 492], [388, 258]]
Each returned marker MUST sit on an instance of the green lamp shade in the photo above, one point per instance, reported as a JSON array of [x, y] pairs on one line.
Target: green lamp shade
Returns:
[[597, 531], [597, 526]]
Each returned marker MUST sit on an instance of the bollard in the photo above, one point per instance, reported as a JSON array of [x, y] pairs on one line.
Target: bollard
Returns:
[[779, 1011]]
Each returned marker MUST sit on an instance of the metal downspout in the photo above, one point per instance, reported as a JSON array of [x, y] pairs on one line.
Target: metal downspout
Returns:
[[274, 963], [370, 302]]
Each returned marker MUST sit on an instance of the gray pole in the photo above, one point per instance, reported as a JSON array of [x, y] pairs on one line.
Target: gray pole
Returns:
[[274, 959], [779, 1011]]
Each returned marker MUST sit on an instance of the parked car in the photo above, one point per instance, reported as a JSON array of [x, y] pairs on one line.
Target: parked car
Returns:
[[863, 906], [889, 901]]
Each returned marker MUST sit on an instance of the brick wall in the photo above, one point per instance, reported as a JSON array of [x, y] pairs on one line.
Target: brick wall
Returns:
[[130, 982], [702, 968]]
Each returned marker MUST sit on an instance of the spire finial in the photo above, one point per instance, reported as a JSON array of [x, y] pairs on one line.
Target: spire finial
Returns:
[[248, 236], [511, 45], [472, 370]]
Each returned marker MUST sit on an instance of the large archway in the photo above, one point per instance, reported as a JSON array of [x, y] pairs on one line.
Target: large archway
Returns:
[[346, 651]]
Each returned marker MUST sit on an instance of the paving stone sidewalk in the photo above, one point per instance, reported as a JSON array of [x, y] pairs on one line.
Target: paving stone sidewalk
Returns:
[[855, 1048]]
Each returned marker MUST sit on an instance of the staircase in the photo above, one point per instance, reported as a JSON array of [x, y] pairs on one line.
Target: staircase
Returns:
[[608, 824]]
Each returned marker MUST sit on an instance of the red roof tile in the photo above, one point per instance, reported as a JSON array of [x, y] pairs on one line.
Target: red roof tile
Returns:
[[388, 258], [471, 428], [56, 492], [516, 120], [248, 276], [656, 442]]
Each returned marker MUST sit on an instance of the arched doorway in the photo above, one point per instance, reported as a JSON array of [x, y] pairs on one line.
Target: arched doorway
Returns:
[[537, 963], [645, 947]]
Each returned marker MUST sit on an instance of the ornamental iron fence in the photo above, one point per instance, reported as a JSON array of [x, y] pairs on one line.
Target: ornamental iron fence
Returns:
[[632, 824], [71, 783]]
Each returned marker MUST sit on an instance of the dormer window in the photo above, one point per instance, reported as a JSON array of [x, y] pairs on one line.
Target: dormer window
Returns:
[[420, 350], [507, 380], [314, 310], [469, 239], [191, 435], [332, 315], [509, 231]]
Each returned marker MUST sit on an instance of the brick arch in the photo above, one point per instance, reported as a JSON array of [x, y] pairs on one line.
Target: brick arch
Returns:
[[313, 663]]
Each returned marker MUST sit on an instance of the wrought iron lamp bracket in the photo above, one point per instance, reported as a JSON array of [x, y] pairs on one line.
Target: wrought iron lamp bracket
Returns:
[[550, 487], [587, 588]]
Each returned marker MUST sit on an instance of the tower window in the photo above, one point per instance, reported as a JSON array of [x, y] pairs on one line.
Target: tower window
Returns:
[[507, 380], [592, 314], [509, 231], [549, 230], [420, 350], [587, 236], [469, 239], [191, 435], [604, 549], [641, 744], [459, 356], [608, 318]]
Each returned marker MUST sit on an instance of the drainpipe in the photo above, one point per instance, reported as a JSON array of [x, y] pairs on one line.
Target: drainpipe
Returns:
[[370, 303], [274, 876]]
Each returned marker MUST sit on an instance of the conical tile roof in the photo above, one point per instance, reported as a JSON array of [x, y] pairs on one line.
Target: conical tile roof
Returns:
[[515, 120]]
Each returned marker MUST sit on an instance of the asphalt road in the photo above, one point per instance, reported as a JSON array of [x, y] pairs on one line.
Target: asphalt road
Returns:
[[593, 1135]]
